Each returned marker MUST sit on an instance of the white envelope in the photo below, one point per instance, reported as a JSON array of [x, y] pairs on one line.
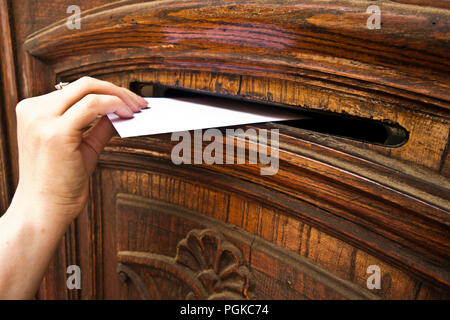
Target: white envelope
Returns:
[[180, 114]]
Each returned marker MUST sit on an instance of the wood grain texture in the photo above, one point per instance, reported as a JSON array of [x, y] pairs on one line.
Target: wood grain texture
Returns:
[[326, 62], [427, 3], [133, 212], [28, 75], [4, 183], [308, 37], [209, 266], [299, 177], [8, 101], [336, 205], [176, 189]]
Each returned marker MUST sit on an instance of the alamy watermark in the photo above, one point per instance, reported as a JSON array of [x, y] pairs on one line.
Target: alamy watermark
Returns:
[[74, 279], [263, 148], [374, 280], [214, 152], [374, 20], [74, 21]]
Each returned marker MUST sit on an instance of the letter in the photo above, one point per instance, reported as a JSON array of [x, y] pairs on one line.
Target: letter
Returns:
[[249, 307], [374, 281], [210, 311], [202, 310], [183, 310], [198, 146], [184, 146], [192, 310], [244, 309], [73, 22], [374, 21], [227, 306], [74, 281], [242, 136], [235, 309], [216, 146], [262, 146], [274, 158], [229, 142]]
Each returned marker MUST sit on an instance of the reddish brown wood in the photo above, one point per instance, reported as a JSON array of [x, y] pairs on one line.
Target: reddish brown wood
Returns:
[[427, 3], [329, 61], [206, 264], [4, 181], [8, 149], [336, 205], [309, 37]]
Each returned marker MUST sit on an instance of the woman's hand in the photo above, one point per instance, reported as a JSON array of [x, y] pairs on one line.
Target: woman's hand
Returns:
[[56, 159]]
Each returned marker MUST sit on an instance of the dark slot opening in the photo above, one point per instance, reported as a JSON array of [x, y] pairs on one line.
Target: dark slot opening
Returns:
[[360, 129]]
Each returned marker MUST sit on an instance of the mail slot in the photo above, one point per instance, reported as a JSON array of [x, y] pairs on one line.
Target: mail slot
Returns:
[[388, 135]]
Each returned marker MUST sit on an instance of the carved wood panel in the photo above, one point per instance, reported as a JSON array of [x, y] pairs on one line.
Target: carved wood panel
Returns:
[[335, 207], [206, 266], [153, 213]]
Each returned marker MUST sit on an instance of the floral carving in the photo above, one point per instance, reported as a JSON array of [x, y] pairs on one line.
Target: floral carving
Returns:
[[216, 262], [206, 266]]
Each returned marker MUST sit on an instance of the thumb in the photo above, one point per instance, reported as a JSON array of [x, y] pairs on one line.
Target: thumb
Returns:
[[94, 141]]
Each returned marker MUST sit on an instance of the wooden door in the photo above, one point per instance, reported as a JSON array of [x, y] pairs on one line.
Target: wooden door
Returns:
[[362, 181]]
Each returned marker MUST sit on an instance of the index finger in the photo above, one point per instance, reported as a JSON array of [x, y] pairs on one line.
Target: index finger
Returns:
[[75, 91]]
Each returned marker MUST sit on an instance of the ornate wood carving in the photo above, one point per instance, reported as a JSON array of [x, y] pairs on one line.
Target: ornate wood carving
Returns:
[[314, 176], [207, 264], [163, 227]]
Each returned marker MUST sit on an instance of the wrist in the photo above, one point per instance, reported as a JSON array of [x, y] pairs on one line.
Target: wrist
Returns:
[[30, 232], [34, 208]]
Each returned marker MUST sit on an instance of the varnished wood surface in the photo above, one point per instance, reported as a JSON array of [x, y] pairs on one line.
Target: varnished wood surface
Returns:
[[325, 56], [427, 3], [8, 149], [392, 215], [4, 181], [296, 226], [336, 205], [309, 36]]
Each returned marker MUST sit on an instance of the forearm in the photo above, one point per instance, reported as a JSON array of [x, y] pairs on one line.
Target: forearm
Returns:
[[57, 157], [29, 236]]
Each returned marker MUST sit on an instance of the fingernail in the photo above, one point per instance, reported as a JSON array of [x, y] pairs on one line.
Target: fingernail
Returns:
[[135, 108], [144, 103], [130, 112]]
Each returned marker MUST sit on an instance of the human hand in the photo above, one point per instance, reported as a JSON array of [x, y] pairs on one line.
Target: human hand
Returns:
[[56, 156]]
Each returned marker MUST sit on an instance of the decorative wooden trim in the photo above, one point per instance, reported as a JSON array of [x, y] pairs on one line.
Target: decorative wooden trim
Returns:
[[212, 266], [304, 37], [342, 287], [425, 139], [70, 257], [95, 229], [126, 274], [365, 225], [8, 151], [444, 4], [322, 54], [5, 194]]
